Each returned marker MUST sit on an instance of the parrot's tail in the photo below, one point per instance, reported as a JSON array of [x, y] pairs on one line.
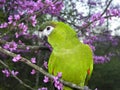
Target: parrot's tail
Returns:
[[67, 88]]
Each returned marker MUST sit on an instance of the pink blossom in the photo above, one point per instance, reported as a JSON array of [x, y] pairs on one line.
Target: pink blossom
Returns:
[[4, 25], [27, 47], [33, 60], [101, 59], [2, 3], [16, 58], [11, 46], [95, 16], [45, 64], [101, 21], [33, 71], [14, 73], [59, 74], [16, 16], [23, 27], [57, 83], [6, 72], [33, 20], [14, 23], [16, 35], [43, 88], [46, 79], [10, 19]]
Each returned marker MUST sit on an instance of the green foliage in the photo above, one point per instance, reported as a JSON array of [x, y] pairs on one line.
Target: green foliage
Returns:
[[106, 76]]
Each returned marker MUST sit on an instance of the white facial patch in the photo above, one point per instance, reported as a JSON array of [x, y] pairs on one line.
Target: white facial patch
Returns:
[[47, 31], [44, 32]]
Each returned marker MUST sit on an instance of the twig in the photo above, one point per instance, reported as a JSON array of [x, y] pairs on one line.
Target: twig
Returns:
[[106, 7], [38, 12], [89, 23], [18, 79], [26, 61]]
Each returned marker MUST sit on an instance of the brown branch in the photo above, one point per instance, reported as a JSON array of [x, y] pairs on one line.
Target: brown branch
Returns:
[[106, 7], [18, 79], [26, 61], [89, 23]]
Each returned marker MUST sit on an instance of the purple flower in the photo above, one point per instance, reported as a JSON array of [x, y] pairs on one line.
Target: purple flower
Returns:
[[6, 72], [95, 16], [57, 83], [114, 12], [88, 41], [92, 3], [57, 7], [23, 27], [59, 74], [46, 79], [14, 23], [33, 20], [14, 73], [16, 58], [101, 21], [16, 16], [101, 59], [39, 4], [54, 8], [11, 46], [47, 45], [2, 2], [45, 64], [33, 71], [27, 48], [4, 25], [33, 60], [16, 35], [10, 19], [92, 47], [43, 88]]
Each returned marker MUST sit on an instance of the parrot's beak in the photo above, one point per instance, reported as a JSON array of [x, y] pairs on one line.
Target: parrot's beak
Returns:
[[40, 34], [42, 37]]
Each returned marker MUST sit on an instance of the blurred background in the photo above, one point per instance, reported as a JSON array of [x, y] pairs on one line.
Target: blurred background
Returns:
[[97, 23]]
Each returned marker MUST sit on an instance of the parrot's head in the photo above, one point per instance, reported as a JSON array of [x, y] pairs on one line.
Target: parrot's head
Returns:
[[57, 33]]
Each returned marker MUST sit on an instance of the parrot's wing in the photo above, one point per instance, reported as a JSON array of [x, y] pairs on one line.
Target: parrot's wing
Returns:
[[75, 64], [51, 64], [87, 60]]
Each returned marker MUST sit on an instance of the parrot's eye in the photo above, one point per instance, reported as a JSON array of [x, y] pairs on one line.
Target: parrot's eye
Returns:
[[48, 30]]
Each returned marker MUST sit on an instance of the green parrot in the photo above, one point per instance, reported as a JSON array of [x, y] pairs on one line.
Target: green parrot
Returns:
[[69, 56]]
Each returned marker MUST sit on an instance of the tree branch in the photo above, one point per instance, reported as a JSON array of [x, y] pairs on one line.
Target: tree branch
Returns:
[[26, 61], [89, 23], [18, 79], [106, 7]]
